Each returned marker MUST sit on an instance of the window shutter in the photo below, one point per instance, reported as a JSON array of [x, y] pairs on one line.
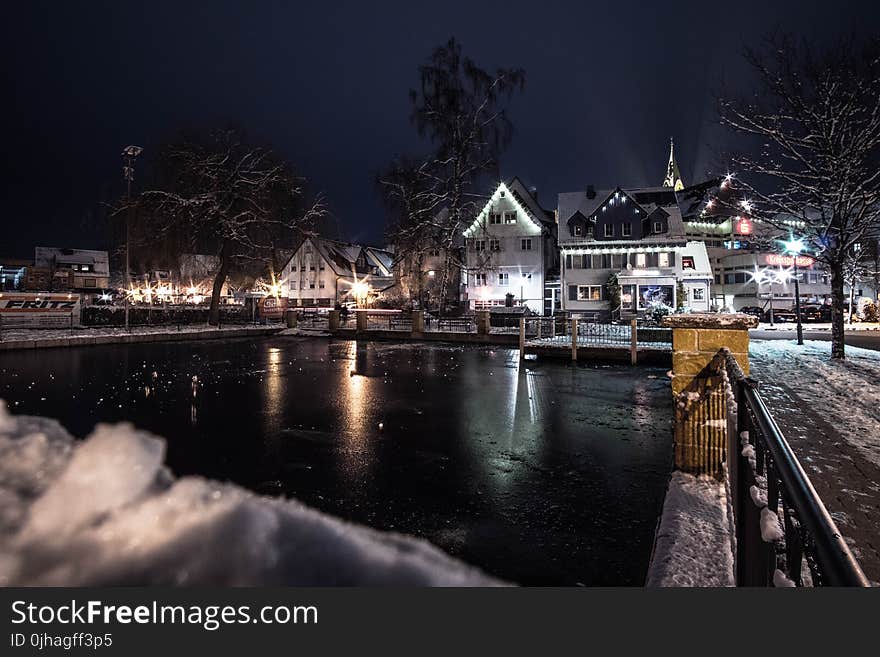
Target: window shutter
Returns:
[[568, 262], [588, 261], [572, 292], [672, 258]]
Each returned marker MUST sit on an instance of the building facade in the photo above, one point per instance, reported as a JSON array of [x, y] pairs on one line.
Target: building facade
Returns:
[[510, 251], [82, 270], [326, 273], [633, 239]]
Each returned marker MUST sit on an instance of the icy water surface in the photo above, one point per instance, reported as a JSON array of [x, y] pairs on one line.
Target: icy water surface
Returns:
[[540, 473]]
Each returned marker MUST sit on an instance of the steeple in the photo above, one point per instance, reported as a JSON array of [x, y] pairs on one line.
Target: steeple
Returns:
[[673, 177]]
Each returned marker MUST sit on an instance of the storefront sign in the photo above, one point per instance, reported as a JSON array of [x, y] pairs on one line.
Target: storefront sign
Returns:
[[780, 260], [39, 309]]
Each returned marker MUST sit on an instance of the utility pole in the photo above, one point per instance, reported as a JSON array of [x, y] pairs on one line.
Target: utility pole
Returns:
[[129, 155]]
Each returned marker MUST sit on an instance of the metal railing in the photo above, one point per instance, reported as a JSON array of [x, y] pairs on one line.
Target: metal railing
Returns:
[[784, 533], [552, 330], [450, 324], [388, 321]]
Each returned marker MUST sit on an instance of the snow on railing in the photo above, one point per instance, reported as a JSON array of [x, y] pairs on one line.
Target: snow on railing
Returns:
[[784, 534]]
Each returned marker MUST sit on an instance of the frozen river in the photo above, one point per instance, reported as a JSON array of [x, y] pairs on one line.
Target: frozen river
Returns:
[[539, 473]]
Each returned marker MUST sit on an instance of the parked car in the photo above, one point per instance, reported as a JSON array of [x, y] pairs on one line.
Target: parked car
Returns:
[[781, 315], [815, 312], [754, 311]]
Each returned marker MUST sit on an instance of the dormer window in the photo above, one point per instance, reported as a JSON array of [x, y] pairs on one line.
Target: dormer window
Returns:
[[577, 230], [627, 229], [609, 230], [658, 226]]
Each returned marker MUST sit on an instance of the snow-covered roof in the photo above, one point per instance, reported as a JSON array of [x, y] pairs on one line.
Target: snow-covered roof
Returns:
[[348, 260], [525, 202], [647, 198]]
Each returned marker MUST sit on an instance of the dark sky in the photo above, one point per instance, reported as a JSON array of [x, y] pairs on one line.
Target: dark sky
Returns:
[[607, 83]]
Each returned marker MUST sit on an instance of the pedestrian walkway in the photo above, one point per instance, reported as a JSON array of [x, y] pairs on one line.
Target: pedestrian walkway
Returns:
[[835, 458]]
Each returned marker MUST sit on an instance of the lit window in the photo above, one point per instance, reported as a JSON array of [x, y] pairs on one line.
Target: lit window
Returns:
[[640, 260], [663, 259], [577, 230], [589, 293], [510, 217]]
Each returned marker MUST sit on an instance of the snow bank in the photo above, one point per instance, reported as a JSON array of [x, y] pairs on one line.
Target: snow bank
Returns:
[[844, 392], [693, 546], [106, 512]]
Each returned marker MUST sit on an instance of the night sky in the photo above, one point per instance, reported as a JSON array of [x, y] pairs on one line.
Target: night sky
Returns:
[[607, 84]]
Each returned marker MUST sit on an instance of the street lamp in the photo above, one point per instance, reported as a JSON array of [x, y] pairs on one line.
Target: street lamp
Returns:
[[795, 247], [129, 154]]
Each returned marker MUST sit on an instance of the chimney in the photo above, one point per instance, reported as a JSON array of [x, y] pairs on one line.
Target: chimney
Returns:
[[591, 191]]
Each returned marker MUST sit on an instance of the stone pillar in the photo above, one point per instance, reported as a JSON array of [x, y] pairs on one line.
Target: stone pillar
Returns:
[[522, 338], [333, 320], [418, 322], [291, 318], [701, 421], [360, 320], [483, 323]]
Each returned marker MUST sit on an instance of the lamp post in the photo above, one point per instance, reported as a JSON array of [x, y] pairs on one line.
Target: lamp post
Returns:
[[129, 155], [795, 247]]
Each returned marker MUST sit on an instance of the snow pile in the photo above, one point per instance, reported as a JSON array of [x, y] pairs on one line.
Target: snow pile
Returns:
[[845, 392], [693, 546], [106, 512]]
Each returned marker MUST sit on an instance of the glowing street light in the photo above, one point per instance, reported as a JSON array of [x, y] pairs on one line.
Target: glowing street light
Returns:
[[360, 290], [795, 246]]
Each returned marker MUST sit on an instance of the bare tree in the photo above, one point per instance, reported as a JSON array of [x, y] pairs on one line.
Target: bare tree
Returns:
[[460, 109], [229, 197], [814, 120]]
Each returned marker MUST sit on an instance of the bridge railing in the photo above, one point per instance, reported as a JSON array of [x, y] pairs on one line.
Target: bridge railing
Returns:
[[784, 533]]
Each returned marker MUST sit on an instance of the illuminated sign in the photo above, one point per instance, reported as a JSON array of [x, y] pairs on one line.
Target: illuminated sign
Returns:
[[789, 261], [744, 226]]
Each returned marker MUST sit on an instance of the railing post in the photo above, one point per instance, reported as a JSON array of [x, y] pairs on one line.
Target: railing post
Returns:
[[483, 322], [418, 322], [360, 321], [522, 338], [633, 346], [333, 320], [574, 339]]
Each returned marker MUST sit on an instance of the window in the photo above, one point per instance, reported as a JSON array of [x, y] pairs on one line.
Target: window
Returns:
[[494, 245], [311, 285], [658, 226], [627, 229], [479, 245], [698, 294], [609, 230], [321, 284], [302, 268], [312, 267], [606, 261], [527, 277], [640, 260], [480, 280], [578, 230], [308, 248], [589, 292], [91, 282], [321, 265], [663, 259], [292, 284], [687, 262], [495, 218], [526, 244], [503, 278], [510, 217]]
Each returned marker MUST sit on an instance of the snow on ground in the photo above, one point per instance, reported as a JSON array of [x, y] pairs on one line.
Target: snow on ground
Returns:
[[845, 392], [693, 546], [16, 334], [106, 512], [818, 326]]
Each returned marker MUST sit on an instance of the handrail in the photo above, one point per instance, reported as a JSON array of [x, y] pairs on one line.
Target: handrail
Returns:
[[837, 565]]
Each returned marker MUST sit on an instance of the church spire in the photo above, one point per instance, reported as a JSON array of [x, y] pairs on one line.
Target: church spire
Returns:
[[673, 176]]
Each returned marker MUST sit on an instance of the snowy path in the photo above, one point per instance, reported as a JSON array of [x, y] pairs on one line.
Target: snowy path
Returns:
[[830, 413]]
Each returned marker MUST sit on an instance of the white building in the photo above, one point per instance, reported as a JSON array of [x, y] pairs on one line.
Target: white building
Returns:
[[324, 273], [636, 238], [509, 250]]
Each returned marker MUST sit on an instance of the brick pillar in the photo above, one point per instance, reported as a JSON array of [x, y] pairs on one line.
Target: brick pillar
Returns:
[[333, 320], [483, 324], [418, 322], [701, 426]]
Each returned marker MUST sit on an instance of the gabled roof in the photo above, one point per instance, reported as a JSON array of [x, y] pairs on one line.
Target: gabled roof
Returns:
[[525, 201], [342, 257]]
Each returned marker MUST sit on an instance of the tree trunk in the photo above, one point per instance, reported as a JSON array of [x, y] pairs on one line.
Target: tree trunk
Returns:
[[837, 302], [219, 279]]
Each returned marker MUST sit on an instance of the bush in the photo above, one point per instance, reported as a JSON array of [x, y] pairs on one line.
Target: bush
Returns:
[[870, 312], [160, 315]]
